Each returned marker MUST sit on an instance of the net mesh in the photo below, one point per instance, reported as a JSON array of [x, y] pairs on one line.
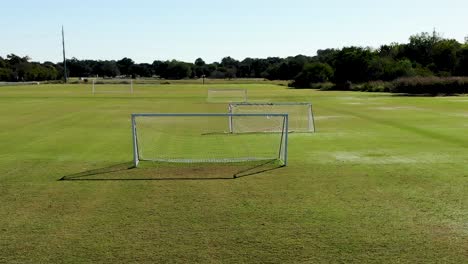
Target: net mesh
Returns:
[[227, 95], [300, 114], [200, 139]]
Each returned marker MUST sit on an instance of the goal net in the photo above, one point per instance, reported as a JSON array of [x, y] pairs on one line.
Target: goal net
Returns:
[[121, 86], [301, 118], [227, 95], [206, 138]]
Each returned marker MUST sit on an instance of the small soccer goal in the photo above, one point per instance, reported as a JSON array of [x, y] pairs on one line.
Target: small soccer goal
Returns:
[[226, 95], [206, 138], [112, 86], [301, 118]]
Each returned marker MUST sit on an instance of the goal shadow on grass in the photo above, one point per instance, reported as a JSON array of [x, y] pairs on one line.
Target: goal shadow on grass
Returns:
[[171, 172]]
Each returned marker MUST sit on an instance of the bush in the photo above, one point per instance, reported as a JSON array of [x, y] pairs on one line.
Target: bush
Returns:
[[346, 86], [377, 86], [323, 86], [430, 85]]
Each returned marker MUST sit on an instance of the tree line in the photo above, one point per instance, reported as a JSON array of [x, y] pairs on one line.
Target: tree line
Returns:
[[426, 54], [15, 68]]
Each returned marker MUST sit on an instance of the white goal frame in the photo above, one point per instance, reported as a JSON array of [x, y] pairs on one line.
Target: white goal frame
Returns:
[[242, 92], [105, 92], [292, 126], [282, 153]]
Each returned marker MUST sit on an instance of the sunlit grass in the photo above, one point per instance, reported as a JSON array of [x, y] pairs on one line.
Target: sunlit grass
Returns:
[[384, 180]]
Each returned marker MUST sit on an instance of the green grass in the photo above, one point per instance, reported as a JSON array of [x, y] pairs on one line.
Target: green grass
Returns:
[[384, 180]]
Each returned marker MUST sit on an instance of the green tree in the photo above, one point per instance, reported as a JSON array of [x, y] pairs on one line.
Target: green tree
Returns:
[[199, 62], [327, 56], [160, 68], [6, 74], [200, 68], [444, 55], [178, 70], [230, 65], [388, 69], [353, 64], [141, 70], [229, 62], [3, 63], [462, 64], [78, 68], [106, 69], [245, 68], [14, 59], [295, 65], [316, 72], [125, 65], [420, 47]]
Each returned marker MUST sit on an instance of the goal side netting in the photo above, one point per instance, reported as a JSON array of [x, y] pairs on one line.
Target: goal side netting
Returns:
[[301, 118], [206, 138], [119, 86], [226, 95]]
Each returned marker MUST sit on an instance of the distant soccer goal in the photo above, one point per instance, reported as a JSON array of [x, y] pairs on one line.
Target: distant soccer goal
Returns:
[[227, 95], [206, 138], [118, 86], [301, 118]]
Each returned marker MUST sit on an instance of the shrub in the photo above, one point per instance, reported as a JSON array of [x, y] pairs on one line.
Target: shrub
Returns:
[[377, 86], [346, 86], [430, 85], [325, 86]]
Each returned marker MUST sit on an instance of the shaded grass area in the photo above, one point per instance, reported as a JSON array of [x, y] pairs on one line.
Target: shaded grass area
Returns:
[[166, 171], [383, 181]]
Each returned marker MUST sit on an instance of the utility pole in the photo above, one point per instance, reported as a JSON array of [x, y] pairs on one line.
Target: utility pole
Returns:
[[64, 59]]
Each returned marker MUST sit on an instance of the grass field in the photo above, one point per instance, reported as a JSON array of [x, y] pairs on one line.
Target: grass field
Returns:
[[384, 180]]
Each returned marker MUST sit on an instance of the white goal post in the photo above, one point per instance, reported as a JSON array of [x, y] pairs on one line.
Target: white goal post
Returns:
[[112, 86], [205, 138], [301, 117], [227, 95]]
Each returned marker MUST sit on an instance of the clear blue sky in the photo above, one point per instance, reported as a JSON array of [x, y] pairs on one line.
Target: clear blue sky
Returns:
[[145, 30]]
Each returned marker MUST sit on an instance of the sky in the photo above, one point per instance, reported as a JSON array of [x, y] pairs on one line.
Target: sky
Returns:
[[148, 30]]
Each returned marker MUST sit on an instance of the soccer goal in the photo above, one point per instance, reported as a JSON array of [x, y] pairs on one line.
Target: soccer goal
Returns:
[[206, 138], [227, 95], [104, 86], [301, 118]]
